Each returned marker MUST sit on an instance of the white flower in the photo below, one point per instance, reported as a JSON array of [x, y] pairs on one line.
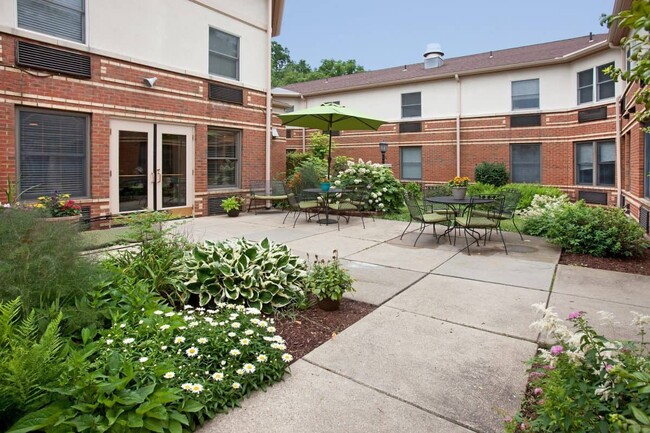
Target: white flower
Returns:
[[236, 325], [278, 339], [109, 341], [123, 325], [278, 346], [255, 321], [128, 340], [235, 352], [217, 376], [143, 359], [271, 329], [239, 371], [188, 318], [158, 312], [249, 332], [192, 352], [163, 347], [249, 368], [164, 327], [286, 357], [187, 307], [640, 319], [193, 324], [140, 322], [236, 385], [261, 358], [202, 340], [232, 334], [179, 339], [263, 324], [244, 341], [169, 314], [267, 338], [197, 388], [186, 386], [169, 375]]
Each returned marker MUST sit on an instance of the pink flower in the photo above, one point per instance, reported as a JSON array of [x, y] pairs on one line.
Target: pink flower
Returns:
[[556, 350], [608, 367], [575, 315], [538, 391]]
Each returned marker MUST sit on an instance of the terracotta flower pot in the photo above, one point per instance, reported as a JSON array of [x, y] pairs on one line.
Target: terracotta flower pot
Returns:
[[329, 304]]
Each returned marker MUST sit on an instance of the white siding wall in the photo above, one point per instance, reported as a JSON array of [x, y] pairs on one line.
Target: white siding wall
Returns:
[[481, 95], [171, 34]]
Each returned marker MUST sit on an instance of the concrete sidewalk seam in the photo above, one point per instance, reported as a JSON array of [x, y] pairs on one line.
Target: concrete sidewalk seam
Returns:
[[394, 397], [488, 282]]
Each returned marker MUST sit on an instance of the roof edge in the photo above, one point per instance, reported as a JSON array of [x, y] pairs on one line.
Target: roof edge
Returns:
[[276, 17], [616, 32]]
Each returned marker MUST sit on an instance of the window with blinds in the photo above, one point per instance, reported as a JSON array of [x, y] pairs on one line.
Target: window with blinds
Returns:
[[223, 158], [53, 153], [224, 54], [63, 19], [411, 163], [525, 163]]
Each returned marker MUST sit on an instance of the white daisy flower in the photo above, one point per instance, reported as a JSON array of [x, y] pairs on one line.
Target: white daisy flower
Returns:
[[286, 357], [179, 339], [143, 359], [249, 368], [163, 348], [158, 312], [169, 375], [128, 340], [232, 334], [271, 329], [262, 358], [239, 371], [235, 352], [244, 342], [202, 340], [249, 332], [236, 385], [192, 352], [197, 388], [164, 327], [236, 325], [186, 386], [217, 376], [169, 314]]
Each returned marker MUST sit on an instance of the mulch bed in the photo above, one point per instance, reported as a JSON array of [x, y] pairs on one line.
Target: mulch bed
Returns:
[[638, 265], [308, 329]]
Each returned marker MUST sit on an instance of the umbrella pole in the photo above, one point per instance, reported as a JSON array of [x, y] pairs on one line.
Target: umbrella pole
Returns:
[[329, 155]]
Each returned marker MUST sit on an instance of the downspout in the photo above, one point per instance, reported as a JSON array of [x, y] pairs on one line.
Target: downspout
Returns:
[[269, 34], [619, 156], [304, 130], [458, 124]]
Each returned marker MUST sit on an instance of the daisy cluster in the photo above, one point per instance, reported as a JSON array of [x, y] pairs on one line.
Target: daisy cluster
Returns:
[[207, 353]]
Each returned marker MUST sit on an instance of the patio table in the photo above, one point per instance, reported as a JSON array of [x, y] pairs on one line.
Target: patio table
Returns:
[[325, 196], [456, 206]]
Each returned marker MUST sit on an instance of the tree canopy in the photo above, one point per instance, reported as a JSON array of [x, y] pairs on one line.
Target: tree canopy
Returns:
[[287, 71]]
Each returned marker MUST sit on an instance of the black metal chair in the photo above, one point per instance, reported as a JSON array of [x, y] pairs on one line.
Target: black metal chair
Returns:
[[436, 191], [272, 191], [352, 202], [298, 206], [511, 200], [416, 213], [479, 216]]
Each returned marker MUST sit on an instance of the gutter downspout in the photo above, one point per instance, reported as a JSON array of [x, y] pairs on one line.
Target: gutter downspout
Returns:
[[269, 34], [458, 125], [619, 156]]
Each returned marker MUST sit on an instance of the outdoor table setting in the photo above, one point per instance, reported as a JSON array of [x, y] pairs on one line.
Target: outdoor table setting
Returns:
[[324, 195], [457, 206]]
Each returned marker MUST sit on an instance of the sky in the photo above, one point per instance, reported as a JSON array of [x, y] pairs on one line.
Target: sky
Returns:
[[380, 34]]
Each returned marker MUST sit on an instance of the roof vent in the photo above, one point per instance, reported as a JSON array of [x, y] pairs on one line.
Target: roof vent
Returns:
[[433, 56]]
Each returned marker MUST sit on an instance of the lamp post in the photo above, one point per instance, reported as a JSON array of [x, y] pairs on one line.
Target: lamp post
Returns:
[[383, 147]]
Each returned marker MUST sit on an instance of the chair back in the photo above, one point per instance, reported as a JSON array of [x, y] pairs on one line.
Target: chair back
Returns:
[[492, 209], [436, 191], [413, 206], [511, 200]]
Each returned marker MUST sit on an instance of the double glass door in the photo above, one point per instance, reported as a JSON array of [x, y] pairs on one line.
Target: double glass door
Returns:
[[151, 166]]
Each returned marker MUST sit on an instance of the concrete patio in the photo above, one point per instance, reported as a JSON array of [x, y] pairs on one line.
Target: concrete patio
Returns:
[[444, 351]]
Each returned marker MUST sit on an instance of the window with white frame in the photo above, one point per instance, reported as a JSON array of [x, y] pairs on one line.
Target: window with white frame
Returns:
[[224, 149], [525, 94], [53, 153], [64, 19], [411, 104], [224, 54], [595, 163], [525, 163], [411, 163], [603, 88]]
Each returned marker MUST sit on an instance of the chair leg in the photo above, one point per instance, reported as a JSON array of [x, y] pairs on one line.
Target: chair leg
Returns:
[[422, 227], [517, 228], [467, 243], [503, 240], [250, 203], [409, 225], [285, 217]]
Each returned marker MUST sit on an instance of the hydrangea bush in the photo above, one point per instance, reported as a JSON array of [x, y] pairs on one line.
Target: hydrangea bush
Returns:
[[585, 382], [166, 371], [385, 190]]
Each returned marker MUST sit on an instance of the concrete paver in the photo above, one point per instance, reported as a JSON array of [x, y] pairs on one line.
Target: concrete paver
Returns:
[[464, 374], [403, 257], [322, 244], [315, 400], [493, 307]]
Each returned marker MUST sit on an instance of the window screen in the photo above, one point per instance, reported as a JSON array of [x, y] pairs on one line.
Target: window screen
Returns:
[[223, 158], [605, 82], [53, 149], [411, 162], [224, 54], [585, 86], [411, 104], [525, 94], [59, 18], [525, 163]]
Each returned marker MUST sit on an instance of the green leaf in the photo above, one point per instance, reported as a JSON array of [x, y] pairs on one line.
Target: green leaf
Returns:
[[113, 414], [146, 407], [640, 415], [192, 406], [163, 397], [182, 418], [175, 427], [158, 412], [204, 298], [152, 424], [135, 420], [37, 420]]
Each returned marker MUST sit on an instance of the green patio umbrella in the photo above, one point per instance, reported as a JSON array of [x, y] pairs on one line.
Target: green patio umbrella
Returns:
[[330, 117]]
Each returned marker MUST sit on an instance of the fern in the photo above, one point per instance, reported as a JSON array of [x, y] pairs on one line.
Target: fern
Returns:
[[28, 363]]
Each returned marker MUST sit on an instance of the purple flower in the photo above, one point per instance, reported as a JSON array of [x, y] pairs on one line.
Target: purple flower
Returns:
[[538, 391], [556, 350], [575, 315], [608, 367]]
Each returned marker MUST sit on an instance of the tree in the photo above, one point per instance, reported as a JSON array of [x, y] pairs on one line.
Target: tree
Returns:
[[637, 21], [335, 68]]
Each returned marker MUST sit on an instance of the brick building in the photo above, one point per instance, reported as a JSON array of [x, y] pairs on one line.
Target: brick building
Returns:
[[137, 105], [548, 111]]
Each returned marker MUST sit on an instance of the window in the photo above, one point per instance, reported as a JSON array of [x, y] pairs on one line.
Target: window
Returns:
[[59, 18], [525, 163], [224, 54], [525, 94], [595, 163], [411, 104], [604, 88], [53, 153], [411, 162], [223, 158]]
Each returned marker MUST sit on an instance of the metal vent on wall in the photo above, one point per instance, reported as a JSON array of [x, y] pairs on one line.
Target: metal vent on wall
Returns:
[[593, 197], [220, 93], [214, 206], [334, 133], [410, 127], [52, 59], [525, 120], [644, 219], [599, 113]]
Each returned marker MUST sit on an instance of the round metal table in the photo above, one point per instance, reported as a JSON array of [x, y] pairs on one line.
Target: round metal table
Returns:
[[325, 196]]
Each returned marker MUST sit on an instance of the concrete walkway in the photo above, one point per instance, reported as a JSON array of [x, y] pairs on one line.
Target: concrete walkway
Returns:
[[444, 351]]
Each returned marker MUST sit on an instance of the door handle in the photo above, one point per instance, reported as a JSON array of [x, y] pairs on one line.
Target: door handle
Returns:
[[158, 176]]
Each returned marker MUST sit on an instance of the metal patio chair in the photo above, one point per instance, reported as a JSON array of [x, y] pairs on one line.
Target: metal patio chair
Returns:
[[481, 216], [272, 191], [417, 214]]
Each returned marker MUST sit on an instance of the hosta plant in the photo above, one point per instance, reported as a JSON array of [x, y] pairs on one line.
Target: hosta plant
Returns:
[[263, 275]]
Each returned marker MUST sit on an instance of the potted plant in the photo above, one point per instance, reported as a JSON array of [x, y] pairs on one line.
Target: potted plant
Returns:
[[325, 184], [328, 281], [59, 207], [459, 187], [232, 205]]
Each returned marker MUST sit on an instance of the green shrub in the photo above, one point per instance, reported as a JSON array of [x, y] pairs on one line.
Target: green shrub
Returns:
[[385, 190], [529, 190], [41, 264], [294, 160], [540, 215], [478, 188], [600, 232], [164, 371], [414, 190], [319, 144], [328, 280], [339, 164], [586, 383], [492, 173], [262, 275], [29, 361]]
